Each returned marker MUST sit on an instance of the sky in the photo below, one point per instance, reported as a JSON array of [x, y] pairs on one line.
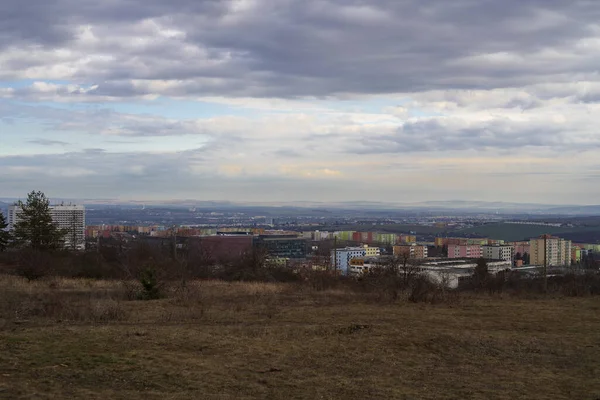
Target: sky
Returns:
[[301, 100]]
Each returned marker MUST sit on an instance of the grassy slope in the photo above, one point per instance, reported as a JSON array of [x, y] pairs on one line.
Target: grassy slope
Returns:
[[245, 341]]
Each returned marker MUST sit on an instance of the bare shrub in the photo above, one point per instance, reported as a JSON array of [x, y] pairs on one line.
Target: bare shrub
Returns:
[[34, 264], [321, 280], [91, 264], [103, 311], [423, 290], [131, 289], [576, 285]]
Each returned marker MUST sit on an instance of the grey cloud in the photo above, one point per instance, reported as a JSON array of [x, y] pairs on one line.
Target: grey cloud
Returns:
[[48, 142], [500, 134], [291, 48], [287, 153]]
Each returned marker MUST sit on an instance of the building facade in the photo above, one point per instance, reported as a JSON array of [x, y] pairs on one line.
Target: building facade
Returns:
[[282, 246], [521, 248], [464, 251], [558, 251], [71, 218], [413, 251], [498, 252], [372, 251], [340, 258], [575, 255]]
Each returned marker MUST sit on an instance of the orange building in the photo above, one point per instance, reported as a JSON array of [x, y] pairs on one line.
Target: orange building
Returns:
[[413, 251]]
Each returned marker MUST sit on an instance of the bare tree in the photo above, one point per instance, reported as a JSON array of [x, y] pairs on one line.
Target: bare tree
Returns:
[[405, 267], [73, 233]]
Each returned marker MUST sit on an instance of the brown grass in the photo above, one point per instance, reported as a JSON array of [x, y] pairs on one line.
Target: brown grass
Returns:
[[65, 338]]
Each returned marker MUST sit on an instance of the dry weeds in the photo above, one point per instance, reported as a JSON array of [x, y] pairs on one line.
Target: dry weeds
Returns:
[[65, 338]]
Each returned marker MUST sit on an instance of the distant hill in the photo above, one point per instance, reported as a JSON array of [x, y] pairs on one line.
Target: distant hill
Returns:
[[576, 210], [505, 207], [515, 232]]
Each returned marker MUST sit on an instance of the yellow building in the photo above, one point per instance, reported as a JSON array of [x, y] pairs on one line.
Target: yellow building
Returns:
[[372, 251]]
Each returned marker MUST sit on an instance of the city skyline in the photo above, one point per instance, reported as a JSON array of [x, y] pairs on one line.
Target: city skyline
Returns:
[[322, 101]]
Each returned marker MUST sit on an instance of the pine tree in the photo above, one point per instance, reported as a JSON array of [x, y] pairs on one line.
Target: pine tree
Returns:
[[4, 234], [34, 227]]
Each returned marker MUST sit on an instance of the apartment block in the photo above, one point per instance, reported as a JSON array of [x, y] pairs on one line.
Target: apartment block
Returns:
[[464, 251], [341, 258], [413, 251], [498, 252], [521, 247], [557, 252], [575, 255], [372, 251]]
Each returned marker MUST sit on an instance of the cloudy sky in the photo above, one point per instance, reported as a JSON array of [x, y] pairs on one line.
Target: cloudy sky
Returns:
[[283, 100]]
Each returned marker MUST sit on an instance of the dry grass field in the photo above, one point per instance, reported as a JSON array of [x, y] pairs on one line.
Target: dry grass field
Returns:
[[63, 338]]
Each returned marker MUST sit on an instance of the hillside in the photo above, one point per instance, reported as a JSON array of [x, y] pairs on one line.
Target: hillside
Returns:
[[514, 232], [83, 340]]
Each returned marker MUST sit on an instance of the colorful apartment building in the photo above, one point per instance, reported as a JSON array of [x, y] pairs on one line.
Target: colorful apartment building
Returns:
[[407, 239], [464, 251], [590, 247], [575, 255], [558, 251], [521, 248], [341, 258], [372, 251], [412, 250]]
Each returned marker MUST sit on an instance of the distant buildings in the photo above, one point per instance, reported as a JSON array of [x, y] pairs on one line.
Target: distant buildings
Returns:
[[464, 251], [70, 218], [575, 254], [282, 246], [521, 248], [498, 252], [361, 266], [222, 248], [372, 251], [412, 250], [557, 251], [595, 248], [340, 258], [361, 237]]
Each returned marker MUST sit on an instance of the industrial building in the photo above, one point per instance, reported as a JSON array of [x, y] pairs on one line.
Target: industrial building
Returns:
[[282, 246]]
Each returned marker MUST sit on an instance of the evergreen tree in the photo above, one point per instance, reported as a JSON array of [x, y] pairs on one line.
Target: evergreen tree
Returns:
[[34, 227], [4, 234]]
